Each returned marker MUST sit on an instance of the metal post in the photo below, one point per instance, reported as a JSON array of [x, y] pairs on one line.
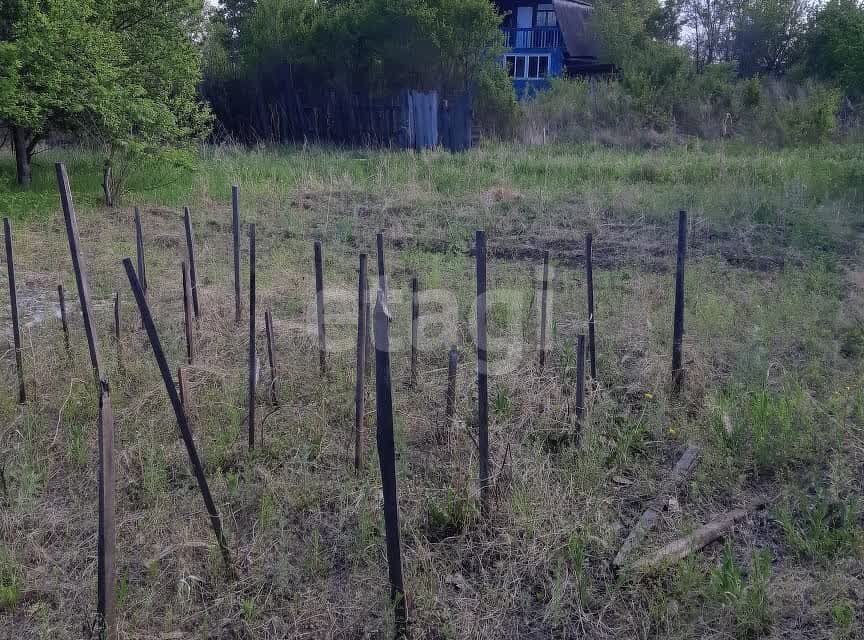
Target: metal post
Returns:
[[359, 388], [13, 300], [482, 373], [271, 357], [450, 410], [589, 283], [64, 321], [235, 230], [252, 356], [139, 250], [179, 412], [190, 250], [415, 321], [387, 461], [678, 330], [382, 273], [187, 314], [319, 301], [544, 310]]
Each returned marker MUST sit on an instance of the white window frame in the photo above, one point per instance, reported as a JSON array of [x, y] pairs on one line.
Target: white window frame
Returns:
[[527, 64]]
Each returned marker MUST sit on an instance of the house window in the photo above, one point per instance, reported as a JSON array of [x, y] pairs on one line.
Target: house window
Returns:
[[546, 16], [527, 67]]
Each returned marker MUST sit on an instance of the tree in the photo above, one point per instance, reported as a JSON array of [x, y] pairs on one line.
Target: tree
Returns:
[[123, 72], [834, 45], [768, 36]]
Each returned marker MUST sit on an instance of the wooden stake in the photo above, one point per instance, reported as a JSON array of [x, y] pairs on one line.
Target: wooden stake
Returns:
[[702, 537], [589, 284], [580, 376], [271, 342], [360, 380], [252, 353], [678, 329], [187, 314], [106, 583], [415, 321], [646, 523], [369, 331], [319, 301], [63, 318], [482, 373], [387, 461], [450, 410], [106, 577], [544, 310], [235, 230], [13, 300], [190, 251], [139, 250], [182, 421]]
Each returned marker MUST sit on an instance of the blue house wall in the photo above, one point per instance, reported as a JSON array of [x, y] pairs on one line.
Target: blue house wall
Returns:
[[535, 48]]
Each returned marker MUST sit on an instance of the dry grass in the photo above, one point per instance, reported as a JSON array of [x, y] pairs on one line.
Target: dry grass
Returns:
[[773, 397]]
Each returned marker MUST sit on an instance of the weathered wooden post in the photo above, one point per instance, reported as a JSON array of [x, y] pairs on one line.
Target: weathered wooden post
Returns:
[[387, 461], [187, 314], [678, 330], [139, 250], [415, 321], [235, 231], [106, 576], [182, 421], [252, 352], [482, 373], [589, 284], [360, 381], [580, 376], [64, 321], [544, 310], [319, 302], [190, 250], [13, 301], [271, 357], [450, 407]]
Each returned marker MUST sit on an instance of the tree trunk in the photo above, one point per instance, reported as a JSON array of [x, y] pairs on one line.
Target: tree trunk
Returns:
[[22, 143], [107, 187]]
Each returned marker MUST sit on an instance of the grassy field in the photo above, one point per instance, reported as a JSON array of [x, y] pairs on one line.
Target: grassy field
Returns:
[[774, 398]]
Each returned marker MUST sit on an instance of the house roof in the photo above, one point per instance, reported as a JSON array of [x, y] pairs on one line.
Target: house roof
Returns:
[[574, 18]]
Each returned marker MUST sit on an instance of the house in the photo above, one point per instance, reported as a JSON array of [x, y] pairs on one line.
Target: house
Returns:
[[545, 39]]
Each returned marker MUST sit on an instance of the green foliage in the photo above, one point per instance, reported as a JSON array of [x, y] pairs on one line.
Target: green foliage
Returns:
[[443, 44], [123, 74], [747, 603], [11, 583], [819, 528], [835, 44], [495, 105], [450, 518]]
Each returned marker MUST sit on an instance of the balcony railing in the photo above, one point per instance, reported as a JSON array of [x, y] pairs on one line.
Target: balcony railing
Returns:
[[536, 38]]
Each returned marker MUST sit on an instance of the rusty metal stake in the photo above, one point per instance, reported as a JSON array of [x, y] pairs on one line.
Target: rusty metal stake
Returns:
[[253, 360], [139, 250], [190, 251], [589, 284], [13, 300], [450, 407], [415, 321], [544, 310], [387, 462], [360, 380], [61, 297], [187, 314], [482, 374], [678, 329], [271, 357], [319, 301], [182, 421], [235, 232]]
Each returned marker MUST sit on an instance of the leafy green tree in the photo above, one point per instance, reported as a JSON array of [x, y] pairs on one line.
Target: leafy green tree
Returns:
[[834, 45], [121, 72], [769, 35]]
